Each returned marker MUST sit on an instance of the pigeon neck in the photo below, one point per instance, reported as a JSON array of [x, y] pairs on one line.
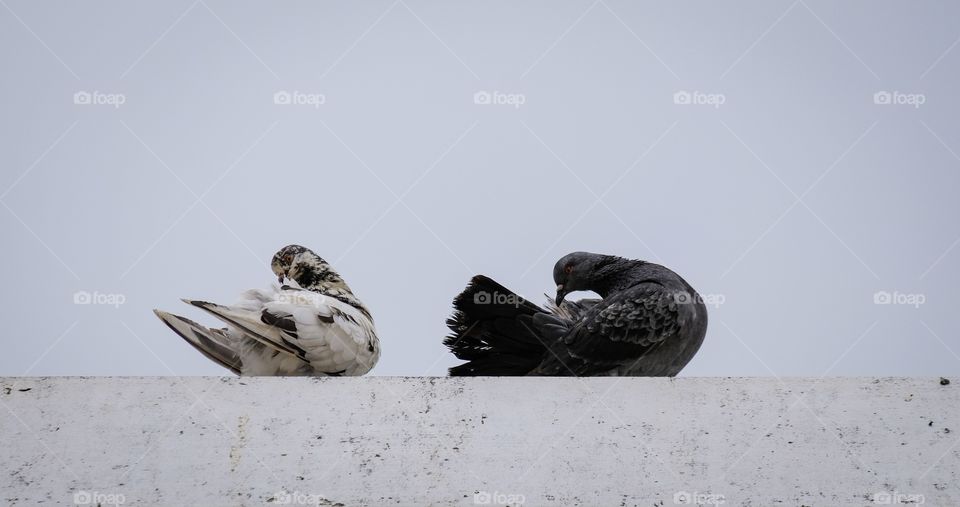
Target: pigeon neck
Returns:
[[619, 275], [318, 277], [329, 286]]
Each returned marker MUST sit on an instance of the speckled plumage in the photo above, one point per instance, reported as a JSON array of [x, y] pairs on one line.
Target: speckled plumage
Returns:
[[312, 324]]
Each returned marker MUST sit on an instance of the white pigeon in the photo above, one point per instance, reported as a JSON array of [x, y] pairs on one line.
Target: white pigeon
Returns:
[[313, 325]]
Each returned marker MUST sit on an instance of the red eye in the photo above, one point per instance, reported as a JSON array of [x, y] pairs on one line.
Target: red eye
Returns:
[[288, 258], [568, 269]]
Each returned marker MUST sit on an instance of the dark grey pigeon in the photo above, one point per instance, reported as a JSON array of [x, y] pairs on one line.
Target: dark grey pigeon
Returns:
[[649, 322]]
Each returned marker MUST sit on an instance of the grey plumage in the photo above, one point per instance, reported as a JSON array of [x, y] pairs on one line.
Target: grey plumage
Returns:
[[648, 322]]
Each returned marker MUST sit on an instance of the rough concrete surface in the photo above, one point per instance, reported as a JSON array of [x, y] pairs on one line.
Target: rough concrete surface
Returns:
[[483, 441]]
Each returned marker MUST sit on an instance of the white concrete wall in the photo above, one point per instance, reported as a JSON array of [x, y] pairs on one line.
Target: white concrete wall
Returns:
[[434, 441]]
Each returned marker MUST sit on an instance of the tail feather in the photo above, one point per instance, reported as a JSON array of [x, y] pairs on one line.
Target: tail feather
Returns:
[[213, 343], [494, 330], [251, 324]]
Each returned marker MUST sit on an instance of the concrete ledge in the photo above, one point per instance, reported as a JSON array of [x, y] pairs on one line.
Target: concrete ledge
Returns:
[[437, 441]]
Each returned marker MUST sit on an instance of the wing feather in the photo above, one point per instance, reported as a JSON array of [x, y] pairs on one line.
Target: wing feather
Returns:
[[329, 334], [627, 326]]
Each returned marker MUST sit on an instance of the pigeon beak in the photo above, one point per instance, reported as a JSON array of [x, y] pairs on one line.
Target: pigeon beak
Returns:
[[560, 294], [280, 279]]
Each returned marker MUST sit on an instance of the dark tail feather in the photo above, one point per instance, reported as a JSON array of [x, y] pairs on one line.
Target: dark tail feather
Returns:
[[493, 330]]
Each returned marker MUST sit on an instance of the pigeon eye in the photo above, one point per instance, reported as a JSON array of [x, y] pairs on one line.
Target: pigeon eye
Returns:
[[287, 259], [568, 269]]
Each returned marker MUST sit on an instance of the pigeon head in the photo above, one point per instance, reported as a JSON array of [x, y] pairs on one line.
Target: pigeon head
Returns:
[[308, 269], [580, 271]]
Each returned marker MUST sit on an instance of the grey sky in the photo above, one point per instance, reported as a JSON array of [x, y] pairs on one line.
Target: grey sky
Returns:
[[789, 195]]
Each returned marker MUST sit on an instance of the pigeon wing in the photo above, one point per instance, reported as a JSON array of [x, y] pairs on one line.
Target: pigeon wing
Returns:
[[336, 338], [330, 335], [619, 329]]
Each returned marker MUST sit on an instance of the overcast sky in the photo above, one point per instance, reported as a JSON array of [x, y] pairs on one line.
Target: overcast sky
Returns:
[[796, 162]]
